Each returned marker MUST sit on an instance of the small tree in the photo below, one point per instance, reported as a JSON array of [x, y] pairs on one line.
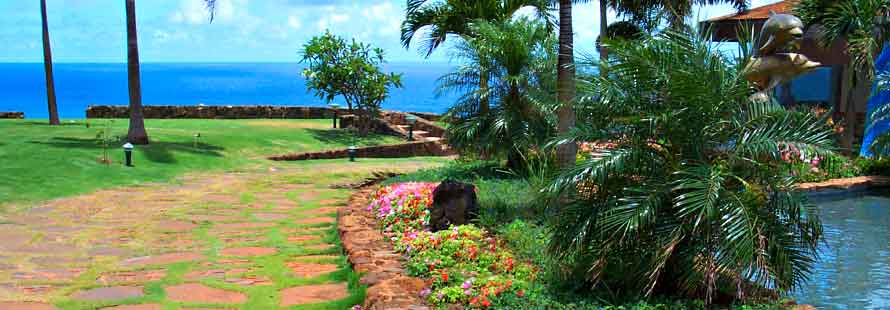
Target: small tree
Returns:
[[349, 70]]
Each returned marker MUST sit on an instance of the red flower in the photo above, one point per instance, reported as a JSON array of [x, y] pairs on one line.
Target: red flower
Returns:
[[520, 293], [444, 277], [486, 303]]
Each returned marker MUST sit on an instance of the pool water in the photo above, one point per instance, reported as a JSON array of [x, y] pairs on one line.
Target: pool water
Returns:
[[853, 271]]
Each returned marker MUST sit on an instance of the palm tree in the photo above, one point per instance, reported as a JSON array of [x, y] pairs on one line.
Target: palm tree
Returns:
[[518, 58], [648, 12], [865, 25], [48, 67], [447, 18], [689, 201], [136, 133], [565, 81]]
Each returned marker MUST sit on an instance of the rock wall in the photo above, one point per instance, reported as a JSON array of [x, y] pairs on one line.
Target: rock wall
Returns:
[[411, 149], [223, 112], [12, 115], [422, 124], [369, 253], [213, 112]]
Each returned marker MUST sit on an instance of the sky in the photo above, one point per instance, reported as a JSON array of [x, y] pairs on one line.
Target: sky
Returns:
[[242, 31]]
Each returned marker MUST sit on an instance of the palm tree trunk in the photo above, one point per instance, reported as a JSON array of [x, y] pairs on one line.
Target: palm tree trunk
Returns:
[[604, 26], [137, 133], [48, 67], [565, 81]]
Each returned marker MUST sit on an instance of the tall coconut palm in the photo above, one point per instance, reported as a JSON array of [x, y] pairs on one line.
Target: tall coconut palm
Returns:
[[137, 133], [48, 68], [565, 81], [865, 25], [688, 201]]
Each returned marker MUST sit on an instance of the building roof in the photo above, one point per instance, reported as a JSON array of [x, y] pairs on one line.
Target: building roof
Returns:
[[758, 13]]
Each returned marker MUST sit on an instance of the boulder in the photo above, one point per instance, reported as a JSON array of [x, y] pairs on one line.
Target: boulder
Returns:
[[454, 203]]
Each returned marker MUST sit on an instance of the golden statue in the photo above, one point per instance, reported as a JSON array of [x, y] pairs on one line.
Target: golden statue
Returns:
[[774, 61]]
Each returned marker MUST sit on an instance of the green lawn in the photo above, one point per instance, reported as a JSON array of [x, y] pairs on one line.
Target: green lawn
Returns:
[[39, 162]]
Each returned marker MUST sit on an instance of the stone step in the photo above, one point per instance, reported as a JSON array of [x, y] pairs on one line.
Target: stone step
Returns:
[[432, 139]]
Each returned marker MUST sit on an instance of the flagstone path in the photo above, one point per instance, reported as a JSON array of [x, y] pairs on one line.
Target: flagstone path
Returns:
[[259, 240]]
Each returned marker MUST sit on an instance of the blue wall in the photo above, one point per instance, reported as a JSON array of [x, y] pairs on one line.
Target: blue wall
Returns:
[[877, 100]]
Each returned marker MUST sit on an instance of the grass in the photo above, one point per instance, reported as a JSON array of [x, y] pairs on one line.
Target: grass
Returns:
[[42, 162]]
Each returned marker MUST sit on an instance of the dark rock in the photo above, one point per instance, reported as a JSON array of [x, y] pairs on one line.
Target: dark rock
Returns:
[[12, 115], [454, 203]]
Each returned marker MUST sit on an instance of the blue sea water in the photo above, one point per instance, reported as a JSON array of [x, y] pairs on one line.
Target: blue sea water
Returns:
[[78, 85]]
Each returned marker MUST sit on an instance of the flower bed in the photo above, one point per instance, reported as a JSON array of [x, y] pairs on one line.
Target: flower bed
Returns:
[[463, 265]]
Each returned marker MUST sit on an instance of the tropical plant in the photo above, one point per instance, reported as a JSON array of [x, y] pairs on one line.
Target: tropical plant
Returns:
[[48, 68], [136, 133], [350, 70], [517, 57], [687, 197], [437, 20], [864, 25], [650, 13]]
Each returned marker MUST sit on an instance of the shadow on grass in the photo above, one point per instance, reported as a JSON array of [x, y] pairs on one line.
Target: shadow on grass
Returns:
[[159, 152], [344, 137]]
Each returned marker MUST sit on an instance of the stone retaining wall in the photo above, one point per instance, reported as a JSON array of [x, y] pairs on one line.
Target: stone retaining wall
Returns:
[[12, 115], [411, 149], [213, 112], [224, 112], [372, 255], [857, 183], [422, 124]]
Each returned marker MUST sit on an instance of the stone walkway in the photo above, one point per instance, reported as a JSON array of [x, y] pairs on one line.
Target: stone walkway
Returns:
[[229, 241]]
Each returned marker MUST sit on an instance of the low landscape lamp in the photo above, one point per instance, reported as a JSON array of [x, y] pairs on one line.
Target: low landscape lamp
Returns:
[[411, 120], [352, 151], [336, 108], [128, 154]]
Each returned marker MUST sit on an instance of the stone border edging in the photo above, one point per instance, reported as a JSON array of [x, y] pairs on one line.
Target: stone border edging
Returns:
[[372, 255], [847, 184], [410, 149], [12, 115]]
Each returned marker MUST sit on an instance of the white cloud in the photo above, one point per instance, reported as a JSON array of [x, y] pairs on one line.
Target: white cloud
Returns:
[[332, 20], [294, 22]]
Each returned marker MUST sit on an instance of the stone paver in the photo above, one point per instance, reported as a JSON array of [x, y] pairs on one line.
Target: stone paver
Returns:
[[111, 245], [303, 238], [317, 220], [199, 293], [109, 293], [133, 276], [169, 258], [137, 307], [309, 270], [248, 251], [18, 305], [311, 294]]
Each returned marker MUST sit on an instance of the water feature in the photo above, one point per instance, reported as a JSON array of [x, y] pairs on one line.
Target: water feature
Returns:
[[854, 267]]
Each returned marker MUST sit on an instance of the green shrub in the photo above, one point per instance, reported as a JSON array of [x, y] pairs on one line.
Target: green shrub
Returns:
[[868, 166]]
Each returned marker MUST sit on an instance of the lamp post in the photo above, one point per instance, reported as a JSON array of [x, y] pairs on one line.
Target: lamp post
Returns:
[[411, 120], [336, 108], [128, 154], [352, 151]]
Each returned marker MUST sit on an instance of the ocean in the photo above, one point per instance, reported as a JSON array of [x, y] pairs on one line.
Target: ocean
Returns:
[[78, 85]]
